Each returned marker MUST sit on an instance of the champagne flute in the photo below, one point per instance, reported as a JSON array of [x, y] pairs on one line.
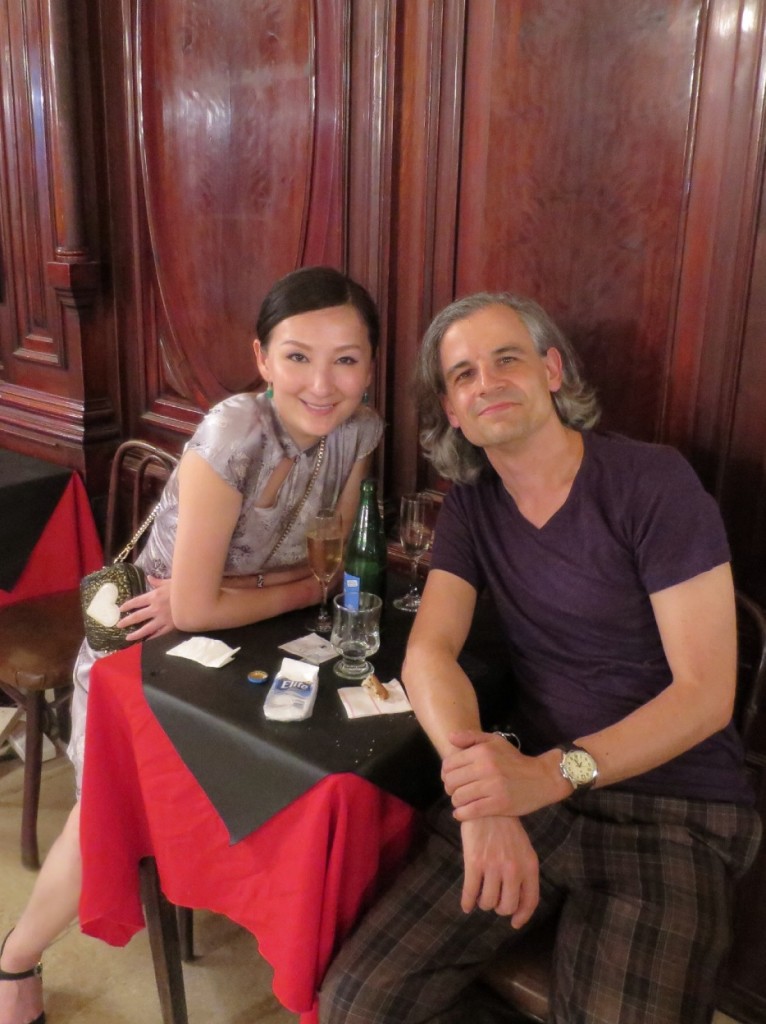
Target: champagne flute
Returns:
[[415, 533], [324, 543]]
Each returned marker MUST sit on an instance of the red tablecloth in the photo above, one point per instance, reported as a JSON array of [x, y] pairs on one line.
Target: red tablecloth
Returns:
[[298, 883], [68, 549]]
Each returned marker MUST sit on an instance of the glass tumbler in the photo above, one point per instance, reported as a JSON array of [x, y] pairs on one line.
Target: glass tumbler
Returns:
[[355, 634]]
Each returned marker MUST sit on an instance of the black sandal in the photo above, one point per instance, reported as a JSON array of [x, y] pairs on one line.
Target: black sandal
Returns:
[[33, 972]]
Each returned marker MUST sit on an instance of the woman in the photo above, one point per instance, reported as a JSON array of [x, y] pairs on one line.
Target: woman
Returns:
[[226, 547]]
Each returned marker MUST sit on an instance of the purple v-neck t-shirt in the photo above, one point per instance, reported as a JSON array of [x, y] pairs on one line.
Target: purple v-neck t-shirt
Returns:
[[573, 596]]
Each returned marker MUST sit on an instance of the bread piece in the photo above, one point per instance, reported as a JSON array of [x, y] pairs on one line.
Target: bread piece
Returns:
[[376, 688]]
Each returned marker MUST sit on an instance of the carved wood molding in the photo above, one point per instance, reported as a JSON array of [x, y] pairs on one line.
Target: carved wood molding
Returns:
[[50, 395], [54, 420]]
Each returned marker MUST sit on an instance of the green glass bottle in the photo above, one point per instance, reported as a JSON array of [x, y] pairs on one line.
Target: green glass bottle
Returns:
[[366, 554]]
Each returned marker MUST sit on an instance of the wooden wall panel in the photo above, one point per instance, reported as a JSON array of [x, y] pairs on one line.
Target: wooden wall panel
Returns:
[[230, 99], [246, 155], [717, 244], [573, 177], [241, 156], [742, 486], [368, 212], [714, 410], [427, 164], [54, 395]]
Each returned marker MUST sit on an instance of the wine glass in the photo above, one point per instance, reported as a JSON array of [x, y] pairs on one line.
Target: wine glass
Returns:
[[324, 543], [415, 533], [355, 634]]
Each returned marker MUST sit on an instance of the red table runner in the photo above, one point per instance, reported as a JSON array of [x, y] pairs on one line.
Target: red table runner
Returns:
[[298, 883]]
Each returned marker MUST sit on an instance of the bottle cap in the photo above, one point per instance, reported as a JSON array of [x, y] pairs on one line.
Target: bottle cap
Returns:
[[257, 675]]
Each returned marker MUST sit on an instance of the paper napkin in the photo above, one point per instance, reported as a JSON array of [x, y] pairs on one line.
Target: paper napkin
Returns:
[[311, 647], [360, 703], [204, 650]]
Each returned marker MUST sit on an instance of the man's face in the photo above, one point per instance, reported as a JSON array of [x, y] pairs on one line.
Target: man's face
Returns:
[[498, 389]]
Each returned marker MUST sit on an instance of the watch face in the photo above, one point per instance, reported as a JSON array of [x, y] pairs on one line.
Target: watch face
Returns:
[[580, 767]]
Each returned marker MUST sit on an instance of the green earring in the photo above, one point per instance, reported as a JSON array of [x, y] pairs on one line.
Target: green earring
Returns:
[[270, 391], [365, 399]]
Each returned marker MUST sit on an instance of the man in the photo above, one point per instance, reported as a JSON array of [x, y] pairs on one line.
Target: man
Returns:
[[625, 811]]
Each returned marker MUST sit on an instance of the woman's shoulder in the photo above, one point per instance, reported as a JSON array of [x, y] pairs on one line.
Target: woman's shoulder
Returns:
[[245, 407], [234, 418], [232, 435]]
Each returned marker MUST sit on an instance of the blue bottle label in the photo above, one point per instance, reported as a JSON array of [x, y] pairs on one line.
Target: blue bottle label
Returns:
[[351, 587]]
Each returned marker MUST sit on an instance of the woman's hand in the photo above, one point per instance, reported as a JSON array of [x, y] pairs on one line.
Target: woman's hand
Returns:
[[150, 611]]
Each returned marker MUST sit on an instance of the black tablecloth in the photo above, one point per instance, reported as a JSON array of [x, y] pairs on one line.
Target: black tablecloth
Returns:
[[251, 767], [30, 489]]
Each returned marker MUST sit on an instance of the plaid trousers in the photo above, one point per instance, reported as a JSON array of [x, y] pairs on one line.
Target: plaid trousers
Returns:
[[643, 885]]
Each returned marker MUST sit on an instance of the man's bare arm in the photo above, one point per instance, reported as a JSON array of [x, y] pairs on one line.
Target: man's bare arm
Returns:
[[696, 620], [501, 869]]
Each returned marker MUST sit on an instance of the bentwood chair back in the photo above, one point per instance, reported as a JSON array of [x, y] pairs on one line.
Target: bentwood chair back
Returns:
[[139, 472], [40, 637], [523, 976]]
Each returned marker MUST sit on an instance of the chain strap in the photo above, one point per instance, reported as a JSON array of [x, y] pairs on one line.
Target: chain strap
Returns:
[[299, 507], [137, 535], [291, 522]]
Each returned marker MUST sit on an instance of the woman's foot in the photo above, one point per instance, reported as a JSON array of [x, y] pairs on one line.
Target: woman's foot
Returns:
[[21, 991]]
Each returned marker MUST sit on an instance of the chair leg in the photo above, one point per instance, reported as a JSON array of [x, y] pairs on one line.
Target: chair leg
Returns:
[[33, 759], [163, 939], [61, 710], [185, 922]]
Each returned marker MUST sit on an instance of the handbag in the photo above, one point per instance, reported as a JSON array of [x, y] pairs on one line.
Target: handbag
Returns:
[[103, 591]]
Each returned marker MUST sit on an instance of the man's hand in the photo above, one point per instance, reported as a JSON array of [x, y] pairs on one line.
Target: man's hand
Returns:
[[488, 776], [501, 869]]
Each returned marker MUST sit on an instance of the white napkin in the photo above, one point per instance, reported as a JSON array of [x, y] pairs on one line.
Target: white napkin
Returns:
[[360, 703], [204, 650], [311, 647]]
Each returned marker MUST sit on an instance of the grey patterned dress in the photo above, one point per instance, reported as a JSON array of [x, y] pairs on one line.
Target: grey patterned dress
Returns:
[[244, 441]]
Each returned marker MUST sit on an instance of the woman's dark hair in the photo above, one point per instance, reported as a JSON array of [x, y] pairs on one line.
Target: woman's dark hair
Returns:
[[312, 288]]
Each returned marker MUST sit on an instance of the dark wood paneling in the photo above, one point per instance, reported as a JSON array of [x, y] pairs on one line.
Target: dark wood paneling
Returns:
[[368, 213], [573, 177], [54, 394], [717, 243], [742, 485], [430, 87], [246, 156], [231, 100]]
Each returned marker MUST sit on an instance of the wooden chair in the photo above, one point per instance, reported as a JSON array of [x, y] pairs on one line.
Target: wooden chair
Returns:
[[523, 976], [40, 637], [39, 640]]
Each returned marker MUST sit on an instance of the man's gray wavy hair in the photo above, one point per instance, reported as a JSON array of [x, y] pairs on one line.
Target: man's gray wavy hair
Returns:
[[451, 454]]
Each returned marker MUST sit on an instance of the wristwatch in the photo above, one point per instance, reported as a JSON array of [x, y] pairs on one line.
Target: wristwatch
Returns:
[[577, 766]]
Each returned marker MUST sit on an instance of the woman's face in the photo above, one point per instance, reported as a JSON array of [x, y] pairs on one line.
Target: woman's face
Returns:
[[319, 365]]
